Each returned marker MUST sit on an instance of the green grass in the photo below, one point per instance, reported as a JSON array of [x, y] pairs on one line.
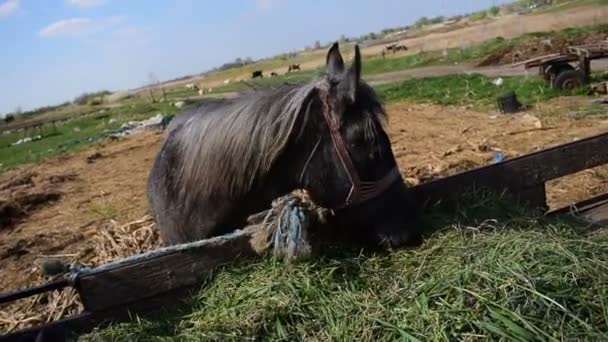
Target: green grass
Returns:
[[491, 272], [453, 56], [473, 90], [72, 136], [296, 77]]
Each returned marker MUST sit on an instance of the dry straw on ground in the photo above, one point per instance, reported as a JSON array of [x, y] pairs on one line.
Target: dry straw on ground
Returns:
[[112, 241]]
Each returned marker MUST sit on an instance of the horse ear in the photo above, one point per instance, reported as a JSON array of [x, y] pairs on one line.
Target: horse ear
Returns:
[[334, 62], [350, 83]]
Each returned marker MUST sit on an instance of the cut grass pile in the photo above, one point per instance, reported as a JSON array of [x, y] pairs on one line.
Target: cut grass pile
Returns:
[[517, 277]]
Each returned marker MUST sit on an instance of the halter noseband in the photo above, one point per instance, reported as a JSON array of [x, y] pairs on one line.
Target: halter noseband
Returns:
[[360, 191]]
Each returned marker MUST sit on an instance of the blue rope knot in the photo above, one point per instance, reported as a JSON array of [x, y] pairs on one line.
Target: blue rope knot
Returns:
[[291, 238]]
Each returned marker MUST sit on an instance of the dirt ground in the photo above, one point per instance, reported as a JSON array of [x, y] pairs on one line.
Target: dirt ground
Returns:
[[57, 204]]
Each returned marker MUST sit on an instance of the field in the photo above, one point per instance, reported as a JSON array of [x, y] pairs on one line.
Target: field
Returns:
[[486, 270]]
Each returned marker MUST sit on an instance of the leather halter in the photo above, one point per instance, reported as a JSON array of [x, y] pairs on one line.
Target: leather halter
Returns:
[[360, 191]]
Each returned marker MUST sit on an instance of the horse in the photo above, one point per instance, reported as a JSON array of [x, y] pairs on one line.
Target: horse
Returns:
[[293, 67], [226, 159], [257, 73]]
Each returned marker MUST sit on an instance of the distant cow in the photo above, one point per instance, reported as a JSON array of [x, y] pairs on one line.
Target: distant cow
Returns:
[[396, 47], [293, 67], [257, 73], [274, 74]]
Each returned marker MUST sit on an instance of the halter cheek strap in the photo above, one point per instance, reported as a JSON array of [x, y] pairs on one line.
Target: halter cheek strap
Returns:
[[360, 191]]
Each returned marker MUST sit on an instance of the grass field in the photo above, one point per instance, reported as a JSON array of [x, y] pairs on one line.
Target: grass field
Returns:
[[489, 272], [73, 135], [472, 90]]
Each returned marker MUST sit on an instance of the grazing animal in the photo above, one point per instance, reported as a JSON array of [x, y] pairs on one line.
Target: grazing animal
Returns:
[[274, 74], [396, 47], [293, 67], [229, 158], [257, 73]]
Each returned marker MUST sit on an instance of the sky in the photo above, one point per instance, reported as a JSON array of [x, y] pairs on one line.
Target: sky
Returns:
[[53, 50]]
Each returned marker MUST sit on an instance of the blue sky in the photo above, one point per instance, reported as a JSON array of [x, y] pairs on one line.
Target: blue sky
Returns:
[[54, 50]]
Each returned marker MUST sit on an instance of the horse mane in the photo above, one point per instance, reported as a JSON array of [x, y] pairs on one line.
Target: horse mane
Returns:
[[231, 145]]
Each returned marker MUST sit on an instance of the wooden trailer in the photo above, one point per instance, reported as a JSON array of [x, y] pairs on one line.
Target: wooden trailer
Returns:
[[568, 70], [114, 291]]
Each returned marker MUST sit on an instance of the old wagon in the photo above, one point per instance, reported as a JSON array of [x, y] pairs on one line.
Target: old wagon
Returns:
[[571, 69]]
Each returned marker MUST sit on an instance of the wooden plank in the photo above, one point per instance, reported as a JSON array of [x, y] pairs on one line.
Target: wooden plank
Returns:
[[157, 307], [534, 197], [581, 206], [522, 173], [154, 273], [598, 214]]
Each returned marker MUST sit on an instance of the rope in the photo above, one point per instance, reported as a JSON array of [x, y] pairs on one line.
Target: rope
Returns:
[[284, 230]]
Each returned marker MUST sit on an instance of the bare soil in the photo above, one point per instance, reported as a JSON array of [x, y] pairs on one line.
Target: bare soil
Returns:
[[107, 183]]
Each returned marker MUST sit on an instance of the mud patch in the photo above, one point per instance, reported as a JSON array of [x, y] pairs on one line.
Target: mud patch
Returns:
[[22, 204], [93, 157], [20, 181], [58, 179]]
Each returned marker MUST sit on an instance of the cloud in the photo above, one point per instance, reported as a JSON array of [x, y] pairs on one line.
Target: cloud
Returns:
[[9, 7], [78, 26], [85, 3]]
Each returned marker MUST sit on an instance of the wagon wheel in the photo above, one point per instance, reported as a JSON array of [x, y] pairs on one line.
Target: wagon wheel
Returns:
[[569, 79], [551, 71]]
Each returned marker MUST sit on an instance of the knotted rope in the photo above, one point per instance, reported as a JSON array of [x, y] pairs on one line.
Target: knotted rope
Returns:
[[286, 230]]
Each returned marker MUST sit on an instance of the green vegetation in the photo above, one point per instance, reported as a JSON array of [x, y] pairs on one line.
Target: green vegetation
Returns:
[[478, 16], [72, 135], [266, 81], [467, 90], [452, 56], [490, 272], [562, 5], [473, 89]]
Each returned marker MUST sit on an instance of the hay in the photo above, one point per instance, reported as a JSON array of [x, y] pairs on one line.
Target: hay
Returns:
[[283, 230], [112, 241]]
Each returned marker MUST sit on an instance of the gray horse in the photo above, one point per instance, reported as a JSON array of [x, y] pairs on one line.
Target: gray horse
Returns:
[[227, 159]]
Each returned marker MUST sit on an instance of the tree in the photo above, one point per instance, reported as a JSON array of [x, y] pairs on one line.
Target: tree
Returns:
[[494, 11], [317, 45], [9, 118], [422, 22]]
